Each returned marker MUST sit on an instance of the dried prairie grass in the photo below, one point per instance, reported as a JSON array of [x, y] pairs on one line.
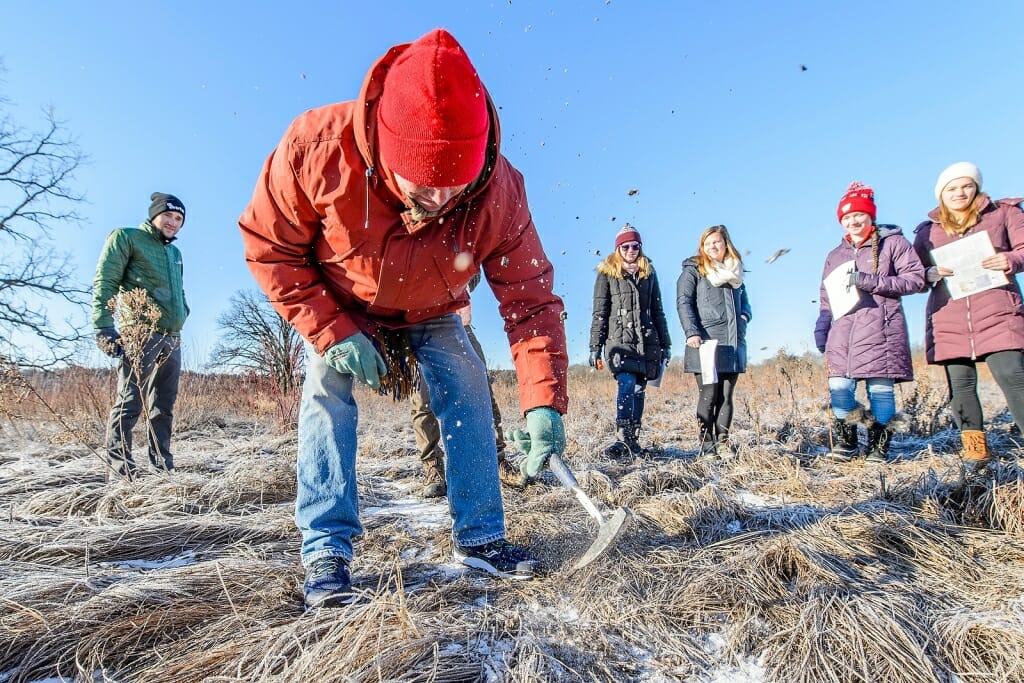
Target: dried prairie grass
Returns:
[[816, 571]]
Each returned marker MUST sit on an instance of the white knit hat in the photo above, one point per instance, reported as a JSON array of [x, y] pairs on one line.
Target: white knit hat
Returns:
[[961, 169]]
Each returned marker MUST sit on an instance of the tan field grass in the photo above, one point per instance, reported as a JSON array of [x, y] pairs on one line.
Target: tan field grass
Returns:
[[775, 565]]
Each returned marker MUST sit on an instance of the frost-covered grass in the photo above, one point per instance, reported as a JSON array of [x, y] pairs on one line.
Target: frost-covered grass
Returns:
[[772, 565]]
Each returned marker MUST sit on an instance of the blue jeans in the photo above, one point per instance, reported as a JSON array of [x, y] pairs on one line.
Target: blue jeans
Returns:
[[327, 502], [629, 405], [880, 396]]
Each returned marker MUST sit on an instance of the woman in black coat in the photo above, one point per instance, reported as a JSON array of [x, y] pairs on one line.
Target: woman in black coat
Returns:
[[629, 327], [713, 305]]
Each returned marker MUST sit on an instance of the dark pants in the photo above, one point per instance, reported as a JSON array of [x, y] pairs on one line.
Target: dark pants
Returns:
[[424, 423], [962, 373], [714, 404], [156, 381], [629, 404]]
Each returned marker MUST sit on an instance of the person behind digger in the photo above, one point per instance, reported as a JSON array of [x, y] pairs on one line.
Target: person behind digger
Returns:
[[427, 431], [367, 223], [987, 326], [143, 258]]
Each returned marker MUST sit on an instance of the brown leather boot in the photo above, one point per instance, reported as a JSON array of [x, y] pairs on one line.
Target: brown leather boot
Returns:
[[509, 473], [975, 454], [434, 485]]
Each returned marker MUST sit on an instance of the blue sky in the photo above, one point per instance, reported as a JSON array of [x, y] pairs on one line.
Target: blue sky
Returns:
[[703, 108]]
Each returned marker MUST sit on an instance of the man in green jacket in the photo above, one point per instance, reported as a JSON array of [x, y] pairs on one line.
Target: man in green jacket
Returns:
[[143, 258]]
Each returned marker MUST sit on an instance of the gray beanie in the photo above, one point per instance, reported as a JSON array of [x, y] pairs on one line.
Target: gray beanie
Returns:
[[165, 202]]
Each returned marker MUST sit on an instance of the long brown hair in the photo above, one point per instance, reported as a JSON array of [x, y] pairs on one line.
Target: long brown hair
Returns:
[[957, 226], [704, 264]]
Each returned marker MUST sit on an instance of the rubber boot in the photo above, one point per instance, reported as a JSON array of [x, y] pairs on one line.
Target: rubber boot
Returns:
[[879, 438], [975, 455], [844, 441], [621, 447], [434, 484], [632, 439]]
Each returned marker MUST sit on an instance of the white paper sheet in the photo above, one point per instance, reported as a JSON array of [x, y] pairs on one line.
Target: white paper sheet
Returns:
[[964, 257], [708, 371], [841, 296]]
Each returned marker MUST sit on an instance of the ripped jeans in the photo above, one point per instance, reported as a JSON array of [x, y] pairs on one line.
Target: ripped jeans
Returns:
[[880, 396]]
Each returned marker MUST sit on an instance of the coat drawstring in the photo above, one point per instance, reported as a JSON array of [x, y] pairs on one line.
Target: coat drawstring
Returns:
[[366, 222]]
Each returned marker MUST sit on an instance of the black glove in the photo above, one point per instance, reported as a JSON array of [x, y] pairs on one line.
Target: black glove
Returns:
[[109, 341], [594, 357], [821, 349], [666, 355], [852, 284]]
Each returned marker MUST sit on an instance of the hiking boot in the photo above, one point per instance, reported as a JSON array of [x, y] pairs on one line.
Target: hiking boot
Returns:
[[327, 583], [879, 439], [434, 484], [509, 474], [975, 455], [723, 447], [499, 557], [844, 441]]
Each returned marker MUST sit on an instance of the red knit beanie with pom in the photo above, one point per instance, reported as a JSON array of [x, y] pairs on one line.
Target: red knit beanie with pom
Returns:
[[627, 234], [858, 197], [432, 117]]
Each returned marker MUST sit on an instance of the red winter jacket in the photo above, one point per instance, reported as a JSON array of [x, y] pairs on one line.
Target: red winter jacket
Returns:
[[327, 238], [982, 323]]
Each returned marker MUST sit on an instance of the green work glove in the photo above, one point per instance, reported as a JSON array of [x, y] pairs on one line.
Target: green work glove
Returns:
[[545, 436], [356, 356]]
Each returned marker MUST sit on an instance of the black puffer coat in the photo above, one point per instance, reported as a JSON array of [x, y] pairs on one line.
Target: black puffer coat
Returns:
[[629, 321], [711, 312]]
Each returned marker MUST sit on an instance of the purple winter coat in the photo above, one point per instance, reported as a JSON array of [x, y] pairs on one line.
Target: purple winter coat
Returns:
[[872, 341], [982, 323]]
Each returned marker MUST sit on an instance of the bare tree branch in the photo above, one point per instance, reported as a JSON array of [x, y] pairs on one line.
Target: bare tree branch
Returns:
[[36, 171], [254, 337]]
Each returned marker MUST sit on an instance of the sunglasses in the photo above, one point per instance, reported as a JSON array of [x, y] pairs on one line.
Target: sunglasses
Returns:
[[630, 246]]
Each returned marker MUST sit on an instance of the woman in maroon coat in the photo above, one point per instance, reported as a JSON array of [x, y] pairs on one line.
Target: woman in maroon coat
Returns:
[[987, 326], [866, 339]]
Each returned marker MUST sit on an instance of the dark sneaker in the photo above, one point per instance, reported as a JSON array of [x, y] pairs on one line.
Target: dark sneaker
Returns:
[[499, 557], [328, 583]]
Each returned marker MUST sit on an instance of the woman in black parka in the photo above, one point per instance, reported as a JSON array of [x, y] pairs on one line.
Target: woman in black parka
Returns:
[[629, 328], [713, 305]]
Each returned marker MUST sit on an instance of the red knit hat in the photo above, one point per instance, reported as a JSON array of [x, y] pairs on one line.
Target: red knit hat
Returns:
[[858, 197], [627, 234], [432, 117]]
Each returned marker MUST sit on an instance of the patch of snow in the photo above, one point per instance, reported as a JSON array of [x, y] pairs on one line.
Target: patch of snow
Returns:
[[427, 515], [167, 562], [752, 500]]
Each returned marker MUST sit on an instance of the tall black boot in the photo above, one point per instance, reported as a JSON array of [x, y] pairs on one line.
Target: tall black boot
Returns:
[[844, 441], [620, 447], [631, 437], [879, 438]]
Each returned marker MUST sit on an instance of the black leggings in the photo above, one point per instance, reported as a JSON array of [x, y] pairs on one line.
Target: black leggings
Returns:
[[1008, 370], [714, 404]]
